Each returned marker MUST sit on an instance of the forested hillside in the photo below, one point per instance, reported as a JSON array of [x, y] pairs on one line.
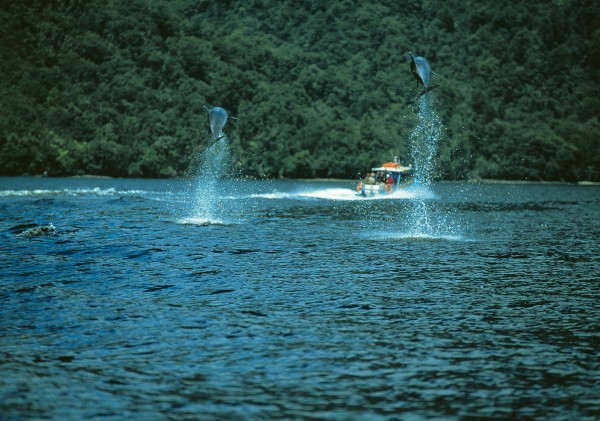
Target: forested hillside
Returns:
[[320, 89]]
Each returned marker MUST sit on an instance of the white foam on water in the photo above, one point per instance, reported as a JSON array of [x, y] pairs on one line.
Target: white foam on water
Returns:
[[39, 231], [415, 236], [97, 191], [201, 221], [273, 195], [345, 194], [329, 194], [7, 193]]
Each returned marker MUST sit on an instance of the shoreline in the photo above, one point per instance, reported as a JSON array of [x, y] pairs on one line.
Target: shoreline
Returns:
[[321, 180], [500, 181]]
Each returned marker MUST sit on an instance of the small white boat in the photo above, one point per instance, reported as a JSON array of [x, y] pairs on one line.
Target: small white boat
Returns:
[[385, 180]]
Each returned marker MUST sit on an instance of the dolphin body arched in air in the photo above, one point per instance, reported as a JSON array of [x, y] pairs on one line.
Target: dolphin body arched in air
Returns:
[[422, 72], [218, 118]]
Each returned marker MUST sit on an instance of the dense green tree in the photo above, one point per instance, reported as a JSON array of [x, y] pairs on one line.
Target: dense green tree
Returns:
[[320, 89]]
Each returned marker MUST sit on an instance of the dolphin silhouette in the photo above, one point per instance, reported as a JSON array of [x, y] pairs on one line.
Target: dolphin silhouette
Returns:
[[421, 71], [218, 118]]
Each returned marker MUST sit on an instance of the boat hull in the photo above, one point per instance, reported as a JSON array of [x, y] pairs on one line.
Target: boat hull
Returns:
[[379, 190], [385, 180]]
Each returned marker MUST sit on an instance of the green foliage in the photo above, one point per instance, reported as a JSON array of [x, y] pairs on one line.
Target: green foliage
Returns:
[[321, 89]]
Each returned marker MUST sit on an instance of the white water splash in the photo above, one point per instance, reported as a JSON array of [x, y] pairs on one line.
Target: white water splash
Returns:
[[416, 237], [206, 205], [424, 141], [424, 221]]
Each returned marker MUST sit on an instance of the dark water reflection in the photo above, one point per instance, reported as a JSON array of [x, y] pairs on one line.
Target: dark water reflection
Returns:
[[303, 303]]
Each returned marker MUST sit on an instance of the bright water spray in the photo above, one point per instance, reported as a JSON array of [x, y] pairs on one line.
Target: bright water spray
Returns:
[[423, 220], [208, 208], [207, 205]]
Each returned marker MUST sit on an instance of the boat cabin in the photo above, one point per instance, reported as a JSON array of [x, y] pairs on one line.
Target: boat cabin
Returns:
[[385, 179]]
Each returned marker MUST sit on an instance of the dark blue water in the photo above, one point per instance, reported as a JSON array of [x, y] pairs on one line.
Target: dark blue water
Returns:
[[298, 301]]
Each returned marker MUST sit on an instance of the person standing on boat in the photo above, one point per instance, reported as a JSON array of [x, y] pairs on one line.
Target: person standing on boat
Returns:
[[389, 182]]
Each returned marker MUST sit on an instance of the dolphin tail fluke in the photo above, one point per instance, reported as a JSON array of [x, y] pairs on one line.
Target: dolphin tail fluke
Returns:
[[215, 141], [431, 88]]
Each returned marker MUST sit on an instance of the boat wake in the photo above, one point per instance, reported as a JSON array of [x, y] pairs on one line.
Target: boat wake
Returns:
[[327, 194], [97, 191], [344, 194]]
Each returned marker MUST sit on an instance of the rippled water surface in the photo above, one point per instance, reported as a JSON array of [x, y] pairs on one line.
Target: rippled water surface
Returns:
[[297, 300]]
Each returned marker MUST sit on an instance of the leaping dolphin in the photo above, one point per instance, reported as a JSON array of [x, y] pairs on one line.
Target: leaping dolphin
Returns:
[[218, 118], [421, 71]]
